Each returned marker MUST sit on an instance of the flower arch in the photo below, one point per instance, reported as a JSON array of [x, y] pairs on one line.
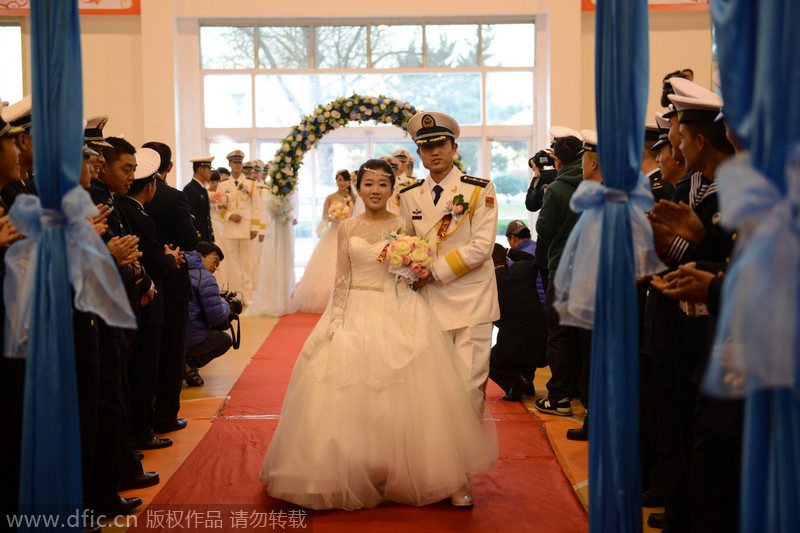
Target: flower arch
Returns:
[[325, 118]]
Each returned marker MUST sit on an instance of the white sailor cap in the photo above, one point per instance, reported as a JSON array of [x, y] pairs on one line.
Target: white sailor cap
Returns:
[[93, 131], [651, 132], [204, 161], [258, 164], [693, 102], [562, 131], [5, 127], [589, 141], [663, 135], [691, 109], [247, 166], [402, 155], [236, 155], [18, 114], [431, 126], [87, 152], [147, 163]]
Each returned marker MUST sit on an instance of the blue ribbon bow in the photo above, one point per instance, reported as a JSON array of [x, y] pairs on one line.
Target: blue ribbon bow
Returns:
[[758, 350], [92, 271], [576, 277]]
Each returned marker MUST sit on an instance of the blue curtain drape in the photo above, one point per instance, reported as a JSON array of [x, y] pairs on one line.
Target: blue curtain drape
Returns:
[[50, 478], [621, 67], [759, 50]]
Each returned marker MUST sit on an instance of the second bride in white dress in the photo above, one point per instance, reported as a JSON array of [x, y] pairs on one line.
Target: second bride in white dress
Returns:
[[314, 289], [375, 410]]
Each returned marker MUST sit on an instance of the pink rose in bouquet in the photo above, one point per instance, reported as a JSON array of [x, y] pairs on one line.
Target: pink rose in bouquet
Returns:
[[339, 211], [409, 257]]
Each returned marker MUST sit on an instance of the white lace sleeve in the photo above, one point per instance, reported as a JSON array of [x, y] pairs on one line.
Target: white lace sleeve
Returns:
[[341, 284]]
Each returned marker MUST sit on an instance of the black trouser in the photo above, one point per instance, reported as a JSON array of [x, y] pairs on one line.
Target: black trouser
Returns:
[[215, 344], [142, 377], [648, 424], [12, 382], [505, 370], [716, 464], [87, 377], [115, 458], [564, 355], [171, 363]]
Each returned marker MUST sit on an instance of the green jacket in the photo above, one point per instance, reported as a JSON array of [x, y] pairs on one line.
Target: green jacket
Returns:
[[556, 218]]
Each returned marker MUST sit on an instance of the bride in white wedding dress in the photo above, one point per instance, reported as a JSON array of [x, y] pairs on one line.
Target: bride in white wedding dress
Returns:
[[375, 410], [314, 289]]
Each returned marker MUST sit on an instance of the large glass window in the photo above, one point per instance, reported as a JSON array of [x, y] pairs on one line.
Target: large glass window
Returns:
[[260, 79], [11, 45]]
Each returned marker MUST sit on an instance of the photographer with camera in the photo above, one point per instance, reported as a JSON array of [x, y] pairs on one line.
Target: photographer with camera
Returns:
[[208, 311], [543, 166], [544, 173]]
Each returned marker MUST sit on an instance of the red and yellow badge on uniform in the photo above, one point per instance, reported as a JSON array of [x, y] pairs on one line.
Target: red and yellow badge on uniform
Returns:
[[490, 201]]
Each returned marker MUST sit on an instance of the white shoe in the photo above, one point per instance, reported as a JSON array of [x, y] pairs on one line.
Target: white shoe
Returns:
[[461, 498]]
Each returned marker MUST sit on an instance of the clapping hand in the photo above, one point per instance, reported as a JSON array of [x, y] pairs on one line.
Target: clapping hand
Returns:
[[8, 233], [100, 222], [687, 283], [124, 249], [680, 218]]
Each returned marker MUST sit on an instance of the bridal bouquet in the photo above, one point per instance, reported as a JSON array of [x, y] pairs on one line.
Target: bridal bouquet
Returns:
[[339, 211], [217, 197], [281, 208], [409, 257]]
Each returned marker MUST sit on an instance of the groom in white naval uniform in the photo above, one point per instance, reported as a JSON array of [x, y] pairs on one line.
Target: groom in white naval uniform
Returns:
[[458, 215]]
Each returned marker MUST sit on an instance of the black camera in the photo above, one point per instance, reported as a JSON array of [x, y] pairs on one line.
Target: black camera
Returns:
[[236, 304], [542, 159], [234, 301]]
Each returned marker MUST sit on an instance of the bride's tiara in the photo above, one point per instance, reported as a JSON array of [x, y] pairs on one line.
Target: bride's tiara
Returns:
[[378, 172]]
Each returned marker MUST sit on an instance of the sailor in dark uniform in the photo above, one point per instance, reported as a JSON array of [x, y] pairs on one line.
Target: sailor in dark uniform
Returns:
[[18, 116], [158, 261], [197, 194], [169, 209]]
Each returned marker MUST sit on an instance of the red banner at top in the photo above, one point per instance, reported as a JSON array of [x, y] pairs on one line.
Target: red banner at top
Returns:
[[659, 5], [87, 7]]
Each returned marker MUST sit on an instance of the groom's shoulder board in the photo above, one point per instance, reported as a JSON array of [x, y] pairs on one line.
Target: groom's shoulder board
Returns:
[[412, 186], [479, 182]]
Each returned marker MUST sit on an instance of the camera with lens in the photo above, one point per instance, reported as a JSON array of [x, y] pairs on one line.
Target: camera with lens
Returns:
[[236, 304], [543, 159], [234, 301]]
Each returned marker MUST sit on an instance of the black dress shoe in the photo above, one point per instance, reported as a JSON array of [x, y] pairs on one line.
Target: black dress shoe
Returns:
[[155, 443], [656, 520], [193, 377], [178, 424], [653, 497], [124, 506], [514, 394], [581, 433], [145, 479]]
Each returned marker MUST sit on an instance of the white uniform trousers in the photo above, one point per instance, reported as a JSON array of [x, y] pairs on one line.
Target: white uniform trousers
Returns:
[[473, 346], [237, 261]]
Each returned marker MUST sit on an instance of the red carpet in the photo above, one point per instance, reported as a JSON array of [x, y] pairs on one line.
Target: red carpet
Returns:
[[217, 487]]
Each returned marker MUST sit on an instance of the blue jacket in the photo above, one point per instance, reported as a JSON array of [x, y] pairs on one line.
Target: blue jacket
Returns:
[[207, 308]]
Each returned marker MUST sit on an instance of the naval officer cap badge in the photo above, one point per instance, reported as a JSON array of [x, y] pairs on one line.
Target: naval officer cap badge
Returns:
[[431, 126]]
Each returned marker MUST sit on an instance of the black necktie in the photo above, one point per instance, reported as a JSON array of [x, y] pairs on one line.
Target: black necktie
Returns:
[[437, 191]]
